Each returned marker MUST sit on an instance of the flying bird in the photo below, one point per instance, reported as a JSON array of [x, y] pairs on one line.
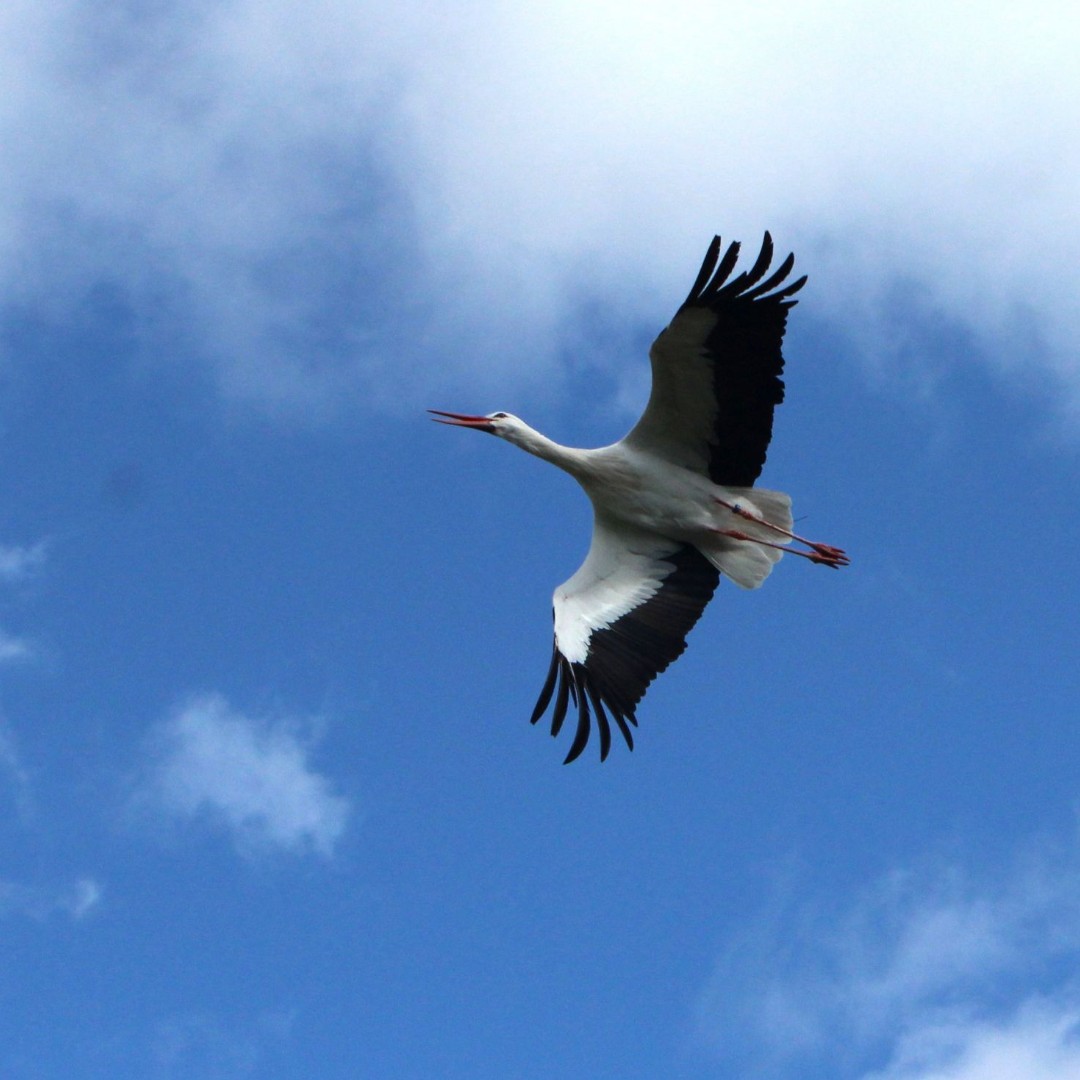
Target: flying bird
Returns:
[[674, 502]]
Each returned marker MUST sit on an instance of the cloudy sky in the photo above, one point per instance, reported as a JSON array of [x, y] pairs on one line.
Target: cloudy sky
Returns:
[[270, 805]]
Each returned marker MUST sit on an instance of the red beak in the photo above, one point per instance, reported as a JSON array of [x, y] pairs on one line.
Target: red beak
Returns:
[[481, 423]]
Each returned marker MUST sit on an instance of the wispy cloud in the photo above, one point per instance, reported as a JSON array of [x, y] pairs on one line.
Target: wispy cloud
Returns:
[[41, 902], [248, 776], [926, 975], [14, 648], [1040, 1042], [200, 1044], [286, 189], [18, 562], [14, 772]]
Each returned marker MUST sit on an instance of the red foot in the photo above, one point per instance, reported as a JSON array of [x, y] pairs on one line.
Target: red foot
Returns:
[[829, 555], [835, 558], [824, 554]]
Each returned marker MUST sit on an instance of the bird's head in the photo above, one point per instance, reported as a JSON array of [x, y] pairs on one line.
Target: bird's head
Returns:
[[508, 427], [496, 423]]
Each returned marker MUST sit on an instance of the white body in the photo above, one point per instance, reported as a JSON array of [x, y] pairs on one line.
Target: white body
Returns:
[[643, 507], [633, 490]]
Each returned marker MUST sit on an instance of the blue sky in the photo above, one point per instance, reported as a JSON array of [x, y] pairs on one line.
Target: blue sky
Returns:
[[270, 805]]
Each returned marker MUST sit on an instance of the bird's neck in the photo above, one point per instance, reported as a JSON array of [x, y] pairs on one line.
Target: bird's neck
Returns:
[[566, 457]]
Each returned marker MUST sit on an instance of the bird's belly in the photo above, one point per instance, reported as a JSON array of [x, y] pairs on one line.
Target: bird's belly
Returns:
[[678, 510]]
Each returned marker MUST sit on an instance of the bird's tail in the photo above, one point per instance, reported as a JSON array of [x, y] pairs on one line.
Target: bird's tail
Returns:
[[748, 563]]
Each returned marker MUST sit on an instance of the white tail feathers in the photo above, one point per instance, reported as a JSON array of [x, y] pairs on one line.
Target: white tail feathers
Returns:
[[746, 563], [772, 506]]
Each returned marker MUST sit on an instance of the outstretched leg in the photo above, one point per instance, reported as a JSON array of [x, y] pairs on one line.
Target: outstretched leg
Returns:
[[821, 553], [825, 554]]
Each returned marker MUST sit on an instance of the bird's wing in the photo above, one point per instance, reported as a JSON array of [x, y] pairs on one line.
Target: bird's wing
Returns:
[[716, 370], [619, 621]]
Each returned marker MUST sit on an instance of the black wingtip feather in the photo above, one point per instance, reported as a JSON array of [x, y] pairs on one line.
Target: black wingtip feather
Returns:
[[723, 271], [602, 725], [706, 270], [581, 736], [761, 264], [751, 277], [549, 688], [789, 290], [618, 717], [558, 713], [782, 272], [712, 284]]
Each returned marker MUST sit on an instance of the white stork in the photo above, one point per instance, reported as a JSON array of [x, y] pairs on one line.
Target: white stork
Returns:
[[673, 502]]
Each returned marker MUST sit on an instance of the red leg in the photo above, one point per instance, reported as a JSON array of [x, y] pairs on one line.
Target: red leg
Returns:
[[830, 556]]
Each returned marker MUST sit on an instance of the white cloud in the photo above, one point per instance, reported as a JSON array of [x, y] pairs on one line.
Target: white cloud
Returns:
[[39, 902], [200, 1044], [937, 975], [331, 196], [249, 776], [18, 562], [1040, 1043], [13, 648], [14, 773], [85, 896]]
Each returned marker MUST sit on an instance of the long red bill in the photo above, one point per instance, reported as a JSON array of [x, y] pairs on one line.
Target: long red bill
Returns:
[[461, 419]]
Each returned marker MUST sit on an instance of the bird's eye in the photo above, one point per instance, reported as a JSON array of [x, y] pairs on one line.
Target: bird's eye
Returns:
[[499, 415]]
